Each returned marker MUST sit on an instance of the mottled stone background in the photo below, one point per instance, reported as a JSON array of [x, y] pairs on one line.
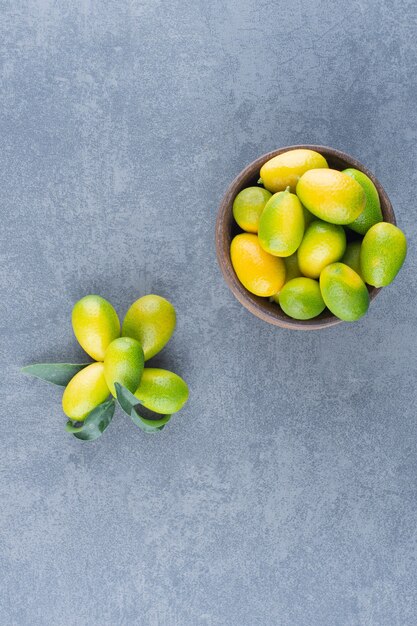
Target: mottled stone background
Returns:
[[286, 491]]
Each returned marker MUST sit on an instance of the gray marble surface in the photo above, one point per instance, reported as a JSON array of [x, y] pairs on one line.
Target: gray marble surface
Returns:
[[285, 493]]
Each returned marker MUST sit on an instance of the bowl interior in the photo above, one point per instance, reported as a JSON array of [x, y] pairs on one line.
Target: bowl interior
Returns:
[[226, 229]]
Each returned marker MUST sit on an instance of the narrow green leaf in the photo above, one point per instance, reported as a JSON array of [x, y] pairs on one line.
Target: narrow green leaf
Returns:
[[125, 398], [55, 373], [131, 405], [70, 428], [149, 425], [95, 423]]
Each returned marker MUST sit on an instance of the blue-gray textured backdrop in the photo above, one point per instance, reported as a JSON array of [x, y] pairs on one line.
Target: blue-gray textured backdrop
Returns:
[[285, 492]]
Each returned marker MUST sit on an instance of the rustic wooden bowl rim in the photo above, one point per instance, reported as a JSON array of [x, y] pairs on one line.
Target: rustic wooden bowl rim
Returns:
[[261, 307]]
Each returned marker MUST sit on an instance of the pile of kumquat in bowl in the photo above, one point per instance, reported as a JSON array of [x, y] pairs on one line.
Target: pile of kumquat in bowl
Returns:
[[310, 237]]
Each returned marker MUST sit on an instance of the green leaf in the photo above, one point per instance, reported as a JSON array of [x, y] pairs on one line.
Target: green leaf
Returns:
[[55, 373], [95, 423], [125, 398], [149, 425], [70, 428], [130, 405]]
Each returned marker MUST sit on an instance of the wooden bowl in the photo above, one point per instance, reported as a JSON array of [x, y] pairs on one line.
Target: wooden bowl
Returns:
[[226, 229]]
